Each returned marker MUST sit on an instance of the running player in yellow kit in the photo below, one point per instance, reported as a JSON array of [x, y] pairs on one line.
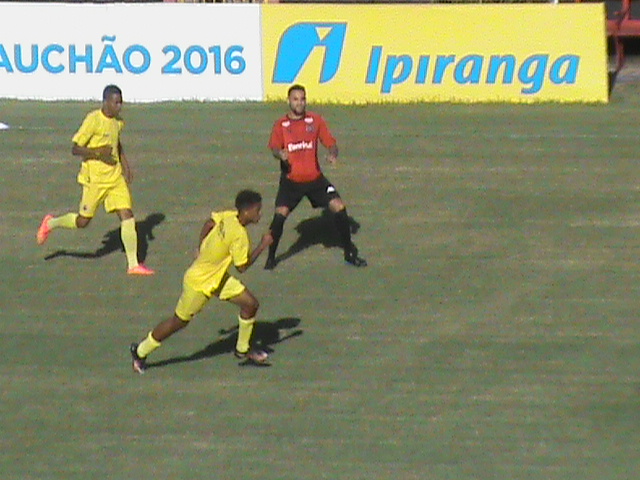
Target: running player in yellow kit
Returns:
[[105, 176], [223, 241]]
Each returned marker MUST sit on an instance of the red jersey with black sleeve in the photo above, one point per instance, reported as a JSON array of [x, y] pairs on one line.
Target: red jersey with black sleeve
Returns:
[[300, 138]]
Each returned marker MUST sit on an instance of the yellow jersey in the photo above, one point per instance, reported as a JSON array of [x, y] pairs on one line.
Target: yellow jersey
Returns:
[[98, 130], [228, 242]]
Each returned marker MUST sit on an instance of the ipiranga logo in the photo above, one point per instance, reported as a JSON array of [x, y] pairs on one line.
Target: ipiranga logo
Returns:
[[300, 40], [389, 69]]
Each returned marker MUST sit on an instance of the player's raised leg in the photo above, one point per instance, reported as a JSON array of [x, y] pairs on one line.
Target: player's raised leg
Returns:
[[49, 223], [44, 230]]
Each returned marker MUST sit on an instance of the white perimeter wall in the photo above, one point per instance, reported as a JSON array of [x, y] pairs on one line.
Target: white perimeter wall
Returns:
[[154, 52]]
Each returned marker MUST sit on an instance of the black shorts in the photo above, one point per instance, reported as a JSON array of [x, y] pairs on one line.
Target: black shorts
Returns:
[[319, 192]]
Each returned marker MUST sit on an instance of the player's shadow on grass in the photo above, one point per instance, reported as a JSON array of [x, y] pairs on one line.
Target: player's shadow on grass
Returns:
[[113, 243], [265, 335], [319, 230]]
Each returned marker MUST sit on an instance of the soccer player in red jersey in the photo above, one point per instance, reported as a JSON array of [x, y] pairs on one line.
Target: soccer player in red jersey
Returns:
[[294, 142]]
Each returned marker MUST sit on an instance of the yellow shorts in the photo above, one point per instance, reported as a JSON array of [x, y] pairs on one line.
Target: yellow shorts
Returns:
[[115, 197], [191, 301]]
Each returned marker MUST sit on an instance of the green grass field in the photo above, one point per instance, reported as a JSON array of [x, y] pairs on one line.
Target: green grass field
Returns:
[[494, 335]]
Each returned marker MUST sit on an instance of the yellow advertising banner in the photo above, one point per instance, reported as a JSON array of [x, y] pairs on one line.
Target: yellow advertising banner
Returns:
[[437, 53]]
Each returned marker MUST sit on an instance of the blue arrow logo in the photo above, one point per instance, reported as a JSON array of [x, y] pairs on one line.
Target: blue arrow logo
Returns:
[[297, 43]]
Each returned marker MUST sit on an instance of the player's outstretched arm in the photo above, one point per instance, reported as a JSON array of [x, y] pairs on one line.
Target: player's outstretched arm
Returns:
[[266, 240], [332, 156]]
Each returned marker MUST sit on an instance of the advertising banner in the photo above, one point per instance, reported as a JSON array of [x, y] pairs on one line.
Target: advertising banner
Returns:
[[154, 52], [450, 53]]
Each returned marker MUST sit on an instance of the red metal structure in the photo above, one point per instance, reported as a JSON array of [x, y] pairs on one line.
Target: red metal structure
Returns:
[[623, 22]]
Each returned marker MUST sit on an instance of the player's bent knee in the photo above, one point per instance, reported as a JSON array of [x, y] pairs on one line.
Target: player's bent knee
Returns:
[[250, 309], [284, 211], [82, 222], [179, 323], [337, 205], [125, 214]]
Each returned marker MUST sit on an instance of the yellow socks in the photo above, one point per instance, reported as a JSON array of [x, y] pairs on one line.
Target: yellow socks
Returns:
[[129, 238], [64, 221], [147, 346], [245, 329]]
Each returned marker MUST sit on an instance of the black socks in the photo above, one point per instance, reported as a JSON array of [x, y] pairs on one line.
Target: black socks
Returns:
[[344, 228], [276, 227]]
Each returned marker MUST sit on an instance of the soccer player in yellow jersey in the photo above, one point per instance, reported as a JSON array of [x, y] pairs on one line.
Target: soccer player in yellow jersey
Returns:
[[105, 176], [223, 241]]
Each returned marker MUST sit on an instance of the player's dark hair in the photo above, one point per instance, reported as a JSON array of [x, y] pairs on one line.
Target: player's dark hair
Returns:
[[247, 198], [110, 90], [297, 86]]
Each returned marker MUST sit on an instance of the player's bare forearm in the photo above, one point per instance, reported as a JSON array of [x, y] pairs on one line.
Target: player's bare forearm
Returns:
[[102, 154], [258, 251], [267, 240], [332, 156]]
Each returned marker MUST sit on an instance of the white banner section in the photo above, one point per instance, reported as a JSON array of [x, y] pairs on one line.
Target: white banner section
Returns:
[[154, 52]]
